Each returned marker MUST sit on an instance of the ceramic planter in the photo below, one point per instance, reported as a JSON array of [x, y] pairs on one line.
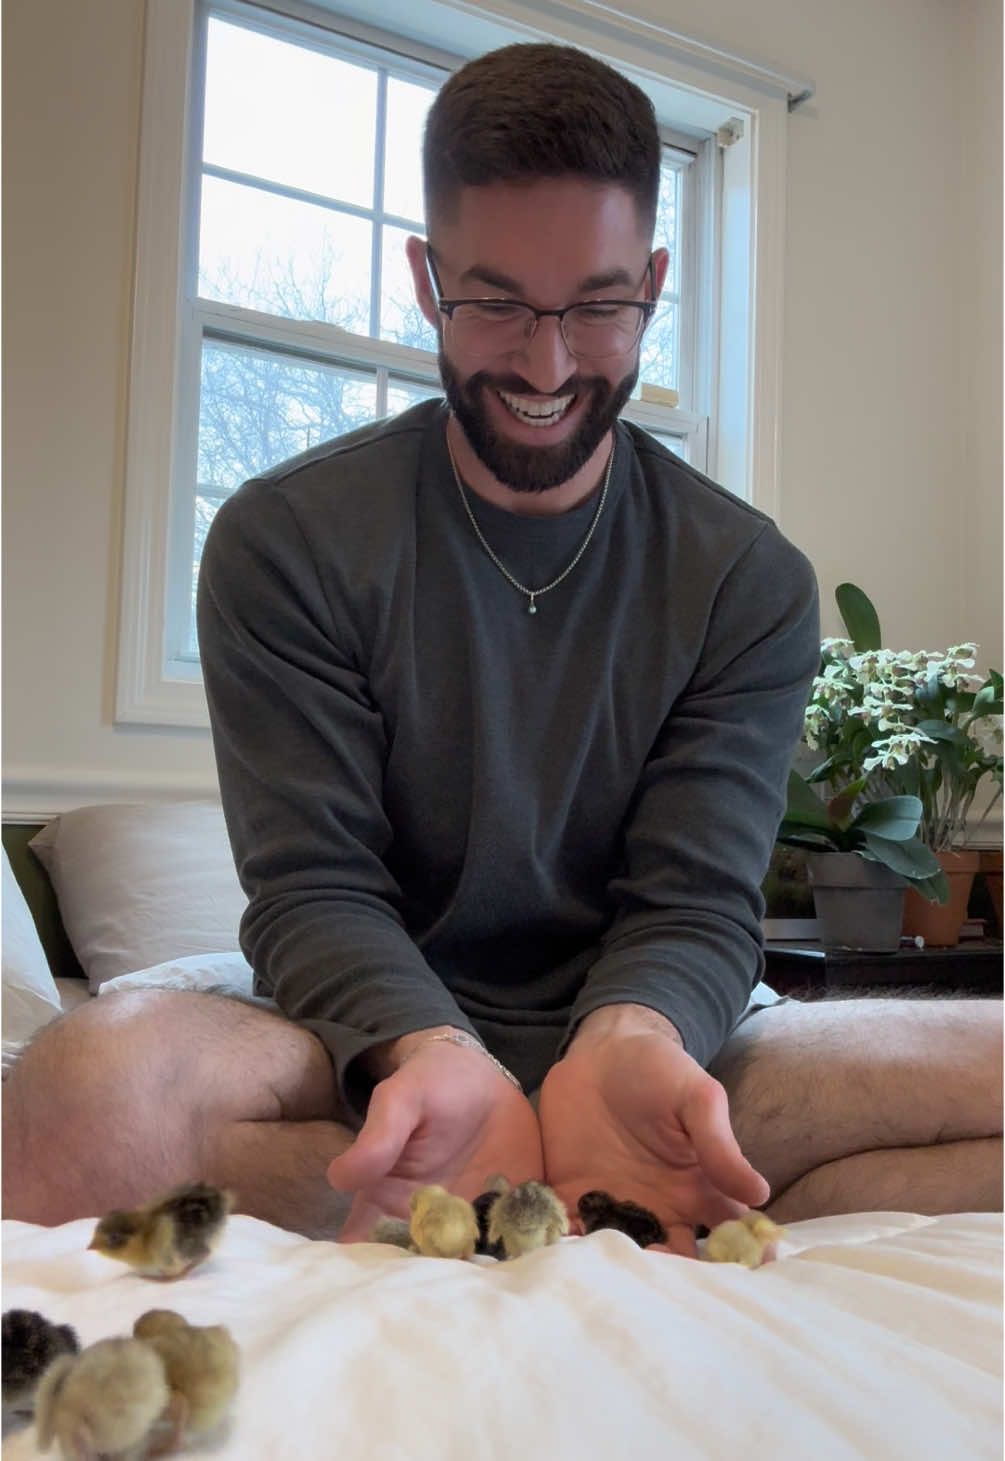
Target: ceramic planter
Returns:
[[939, 924], [859, 904], [991, 867]]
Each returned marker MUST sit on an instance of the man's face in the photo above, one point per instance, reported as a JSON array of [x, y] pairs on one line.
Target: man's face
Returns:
[[535, 415]]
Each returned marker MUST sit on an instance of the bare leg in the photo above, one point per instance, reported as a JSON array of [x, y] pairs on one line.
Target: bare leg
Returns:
[[852, 1105], [136, 1092], [905, 1179]]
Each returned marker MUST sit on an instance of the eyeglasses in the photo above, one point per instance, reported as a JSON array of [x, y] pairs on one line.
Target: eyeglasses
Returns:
[[592, 327]]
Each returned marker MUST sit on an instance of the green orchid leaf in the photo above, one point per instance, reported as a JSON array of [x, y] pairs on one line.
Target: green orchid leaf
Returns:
[[940, 730], [935, 888], [911, 858], [839, 807], [793, 834], [987, 701], [859, 617], [804, 807], [896, 817]]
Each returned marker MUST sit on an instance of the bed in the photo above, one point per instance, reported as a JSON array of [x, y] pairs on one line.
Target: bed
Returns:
[[876, 1335]]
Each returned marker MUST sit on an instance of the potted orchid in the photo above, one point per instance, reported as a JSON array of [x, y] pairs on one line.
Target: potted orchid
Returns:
[[894, 723]]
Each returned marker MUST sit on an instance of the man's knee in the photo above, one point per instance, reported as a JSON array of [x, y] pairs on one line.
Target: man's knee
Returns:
[[120, 1097]]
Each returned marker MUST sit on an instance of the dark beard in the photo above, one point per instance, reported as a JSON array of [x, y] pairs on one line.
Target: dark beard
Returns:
[[533, 468]]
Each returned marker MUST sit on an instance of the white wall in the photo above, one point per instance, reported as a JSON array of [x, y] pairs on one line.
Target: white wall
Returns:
[[891, 423]]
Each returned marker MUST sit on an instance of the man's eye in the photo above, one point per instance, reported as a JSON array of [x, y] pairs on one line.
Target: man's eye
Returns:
[[598, 313], [494, 311]]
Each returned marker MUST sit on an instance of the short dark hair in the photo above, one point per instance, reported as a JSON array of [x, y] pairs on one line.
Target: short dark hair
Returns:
[[539, 111]]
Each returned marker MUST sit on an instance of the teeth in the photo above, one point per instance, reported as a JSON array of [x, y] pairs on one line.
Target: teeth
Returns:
[[535, 411]]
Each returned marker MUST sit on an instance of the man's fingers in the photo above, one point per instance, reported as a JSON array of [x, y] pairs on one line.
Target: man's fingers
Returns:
[[706, 1118], [359, 1224], [390, 1121]]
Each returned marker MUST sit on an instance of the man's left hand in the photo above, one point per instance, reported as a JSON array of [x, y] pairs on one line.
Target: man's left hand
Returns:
[[628, 1111]]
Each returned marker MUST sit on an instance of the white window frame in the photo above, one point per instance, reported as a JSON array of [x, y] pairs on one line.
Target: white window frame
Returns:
[[737, 386]]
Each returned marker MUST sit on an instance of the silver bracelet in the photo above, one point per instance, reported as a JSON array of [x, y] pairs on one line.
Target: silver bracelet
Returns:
[[467, 1042]]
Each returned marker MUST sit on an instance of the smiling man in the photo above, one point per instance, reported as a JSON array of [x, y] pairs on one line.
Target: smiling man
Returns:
[[503, 699]]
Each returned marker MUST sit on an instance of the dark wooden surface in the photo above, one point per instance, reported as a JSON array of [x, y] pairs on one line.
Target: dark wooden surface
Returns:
[[808, 970]]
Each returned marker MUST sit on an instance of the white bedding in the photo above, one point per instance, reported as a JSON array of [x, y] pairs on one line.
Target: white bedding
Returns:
[[873, 1336]]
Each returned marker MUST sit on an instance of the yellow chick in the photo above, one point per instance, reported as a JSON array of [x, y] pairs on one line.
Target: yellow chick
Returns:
[[202, 1365], [526, 1217], [169, 1236], [749, 1240], [441, 1225], [103, 1402]]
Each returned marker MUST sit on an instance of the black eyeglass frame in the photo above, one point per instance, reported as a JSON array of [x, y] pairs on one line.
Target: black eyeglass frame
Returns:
[[646, 307]]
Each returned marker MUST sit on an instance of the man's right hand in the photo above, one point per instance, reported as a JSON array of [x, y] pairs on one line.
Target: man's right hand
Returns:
[[445, 1115]]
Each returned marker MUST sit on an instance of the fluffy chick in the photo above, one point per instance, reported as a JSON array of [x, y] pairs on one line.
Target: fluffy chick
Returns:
[[392, 1230], [202, 1365], [526, 1217], [169, 1236], [750, 1240], [30, 1343], [483, 1205], [599, 1209], [103, 1402], [441, 1225]]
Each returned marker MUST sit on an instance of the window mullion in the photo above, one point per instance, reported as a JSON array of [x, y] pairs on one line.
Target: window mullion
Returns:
[[377, 235]]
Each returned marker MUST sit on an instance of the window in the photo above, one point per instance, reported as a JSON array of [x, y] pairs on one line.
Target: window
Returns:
[[280, 312]]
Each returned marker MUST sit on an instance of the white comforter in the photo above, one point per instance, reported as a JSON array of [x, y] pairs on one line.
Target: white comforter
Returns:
[[877, 1335]]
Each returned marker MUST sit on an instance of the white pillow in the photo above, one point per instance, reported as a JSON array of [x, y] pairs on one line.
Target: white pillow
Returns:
[[222, 973], [30, 996], [140, 885]]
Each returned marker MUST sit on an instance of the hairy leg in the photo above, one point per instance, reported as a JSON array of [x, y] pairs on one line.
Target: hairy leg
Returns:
[[136, 1092], [849, 1105]]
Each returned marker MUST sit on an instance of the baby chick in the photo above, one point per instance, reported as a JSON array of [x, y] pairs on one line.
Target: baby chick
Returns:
[[526, 1217], [30, 1343], [599, 1209], [483, 1205], [392, 1230], [749, 1240], [442, 1226], [103, 1402], [202, 1366], [167, 1237]]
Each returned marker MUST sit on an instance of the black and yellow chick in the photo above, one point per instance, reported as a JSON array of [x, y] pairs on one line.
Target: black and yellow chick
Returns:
[[441, 1225], [598, 1209], [483, 1205], [751, 1240], [30, 1343], [202, 1364], [526, 1217], [169, 1236], [103, 1402]]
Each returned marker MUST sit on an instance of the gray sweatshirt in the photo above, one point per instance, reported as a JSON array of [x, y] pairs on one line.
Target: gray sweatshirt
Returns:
[[446, 810]]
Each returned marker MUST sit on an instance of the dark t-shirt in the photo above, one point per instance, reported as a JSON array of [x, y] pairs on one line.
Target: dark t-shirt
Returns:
[[446, 810]]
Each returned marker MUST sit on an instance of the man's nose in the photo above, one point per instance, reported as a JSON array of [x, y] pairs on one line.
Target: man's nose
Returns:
[[545, 361]]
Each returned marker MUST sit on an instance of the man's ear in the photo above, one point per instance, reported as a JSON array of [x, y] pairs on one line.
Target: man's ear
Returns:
[[661, 262], [415, 252]]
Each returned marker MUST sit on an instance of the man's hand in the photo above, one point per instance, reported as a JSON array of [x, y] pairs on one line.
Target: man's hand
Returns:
[[446, 1115], [628, 1111]]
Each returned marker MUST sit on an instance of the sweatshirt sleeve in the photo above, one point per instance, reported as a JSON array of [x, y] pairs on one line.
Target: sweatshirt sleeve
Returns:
[[300, 748], [686, 937]]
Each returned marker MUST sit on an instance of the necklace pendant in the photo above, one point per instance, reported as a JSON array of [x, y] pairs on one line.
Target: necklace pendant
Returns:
[[533, 607]]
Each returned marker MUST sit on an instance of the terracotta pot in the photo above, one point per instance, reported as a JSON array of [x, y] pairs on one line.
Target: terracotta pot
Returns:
[[991, 867], [859, 903], [939, 924]]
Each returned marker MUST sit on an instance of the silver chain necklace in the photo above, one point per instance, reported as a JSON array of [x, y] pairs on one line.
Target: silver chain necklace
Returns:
[[534, 593]]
